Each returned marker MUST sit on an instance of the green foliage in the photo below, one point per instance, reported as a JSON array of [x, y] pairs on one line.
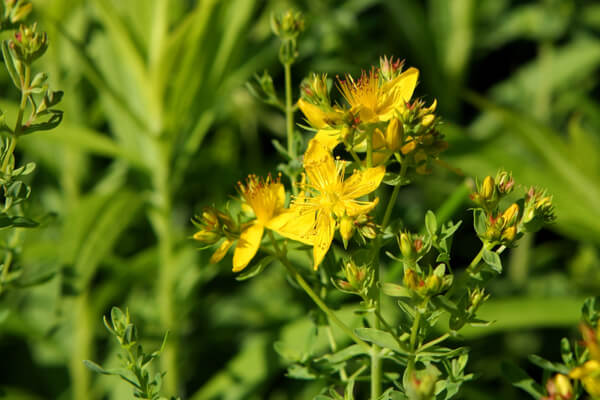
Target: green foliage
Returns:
[[134, 361]]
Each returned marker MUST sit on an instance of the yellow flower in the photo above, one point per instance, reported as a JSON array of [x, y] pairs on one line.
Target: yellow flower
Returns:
[[589, 374], [266, 199], [313, 219], [324, 121], [374, 99]]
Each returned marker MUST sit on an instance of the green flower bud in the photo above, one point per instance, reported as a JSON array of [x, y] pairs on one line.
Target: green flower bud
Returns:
[[29, 45], [406, 247]]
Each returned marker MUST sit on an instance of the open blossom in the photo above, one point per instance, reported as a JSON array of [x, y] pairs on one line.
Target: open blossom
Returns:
[[266, 199], [333, 197], [374, 97]]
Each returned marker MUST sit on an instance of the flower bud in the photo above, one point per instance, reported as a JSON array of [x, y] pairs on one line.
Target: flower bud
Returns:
[[207, 237], [511, 214], [411, 279], [505, 182], [433, 284], [346, 229], [509, 234], [393, 135], [287, 25], [427, 120], [390, 68], [406, 247], [487, 188], [476, 298], [29, 45]]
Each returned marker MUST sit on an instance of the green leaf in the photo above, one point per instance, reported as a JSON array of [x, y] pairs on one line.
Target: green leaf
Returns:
[[591, 310], [10, 65], [519, 378], [255, 268], [96, 368], [492, 259], [380, 338], [431, 223], [479, 222], [548, 365], [394, 290], [345, 354]]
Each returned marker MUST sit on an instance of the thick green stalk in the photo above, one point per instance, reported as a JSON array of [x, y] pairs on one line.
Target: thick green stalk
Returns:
[[311, 293], [160, 218], [376, 371], [82, 347]]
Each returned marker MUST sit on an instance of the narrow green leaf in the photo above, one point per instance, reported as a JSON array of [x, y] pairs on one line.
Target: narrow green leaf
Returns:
[[519, 378], [255, 268], [380, 338], [394, 290], [548, 365], [10, 66]]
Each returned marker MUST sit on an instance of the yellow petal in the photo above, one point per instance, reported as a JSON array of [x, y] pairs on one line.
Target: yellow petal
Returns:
[[319, 166], [363, 182], [247, 246], [295, 224], [380, 153], [221, 251], [280, 191], [314, 114], [405, 84], [324, 236], [328, 138], [353, 207]]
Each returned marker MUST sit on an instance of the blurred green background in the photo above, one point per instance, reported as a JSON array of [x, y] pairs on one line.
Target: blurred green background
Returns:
[[158, 123]]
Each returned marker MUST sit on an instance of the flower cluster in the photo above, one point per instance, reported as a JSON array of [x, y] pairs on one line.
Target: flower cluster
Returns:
[[495, 225], [378, 111], [589, 372], [378, 119]]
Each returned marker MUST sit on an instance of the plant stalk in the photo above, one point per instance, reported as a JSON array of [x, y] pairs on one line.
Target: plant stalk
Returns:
[[311, 293]]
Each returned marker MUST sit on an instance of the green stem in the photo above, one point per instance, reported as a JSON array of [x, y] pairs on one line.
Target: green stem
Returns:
[[289, 110], [82, 347], [160, 218], [413, 339], [473, 266], [289, 120], [310, 292]]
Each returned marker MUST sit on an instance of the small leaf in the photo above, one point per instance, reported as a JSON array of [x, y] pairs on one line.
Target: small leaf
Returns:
[[380, 338], [431, 223], [345, 354], [10, 66], [548, 365], [96, 368], [479, 222], [492, 259], [394, 290], [255, 268], [519, 378]]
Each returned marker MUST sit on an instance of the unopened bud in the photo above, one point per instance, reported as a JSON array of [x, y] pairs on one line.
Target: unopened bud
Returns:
[[487, 188], [509, 234], [427, 120], [207, 237], [433, 284], [393, 135], [406, 247], [511, 214], [411, 279], [346, 228]]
